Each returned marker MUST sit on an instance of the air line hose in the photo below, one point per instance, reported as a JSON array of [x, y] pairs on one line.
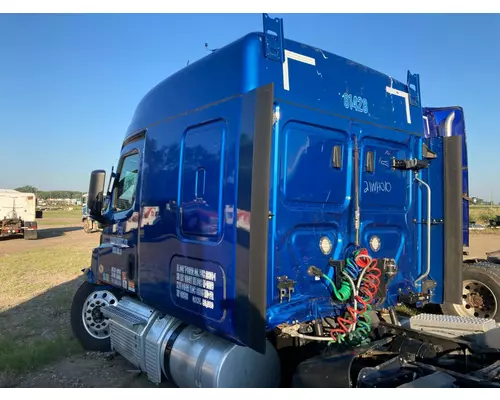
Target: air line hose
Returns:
[[345, 291], [361, 282]]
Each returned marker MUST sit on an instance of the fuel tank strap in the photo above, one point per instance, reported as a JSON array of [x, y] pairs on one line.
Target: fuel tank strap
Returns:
[[168, 349]]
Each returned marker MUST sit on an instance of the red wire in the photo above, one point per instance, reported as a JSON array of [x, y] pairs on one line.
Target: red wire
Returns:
[[362, 259], [369, 288]]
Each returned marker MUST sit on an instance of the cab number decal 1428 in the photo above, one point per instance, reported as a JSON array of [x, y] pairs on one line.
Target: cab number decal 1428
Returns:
[[357, 103]]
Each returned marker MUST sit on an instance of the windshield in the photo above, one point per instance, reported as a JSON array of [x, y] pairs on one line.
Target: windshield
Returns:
[[124, 195]]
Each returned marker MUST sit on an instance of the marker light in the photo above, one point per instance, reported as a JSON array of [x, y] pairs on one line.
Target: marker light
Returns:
[[375, 243], [325, 245]]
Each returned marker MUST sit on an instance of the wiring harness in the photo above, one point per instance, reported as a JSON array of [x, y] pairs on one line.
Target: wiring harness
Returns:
[[360, 283]]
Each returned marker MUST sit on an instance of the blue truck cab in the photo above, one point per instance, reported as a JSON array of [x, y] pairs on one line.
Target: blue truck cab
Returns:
[[254, 187]]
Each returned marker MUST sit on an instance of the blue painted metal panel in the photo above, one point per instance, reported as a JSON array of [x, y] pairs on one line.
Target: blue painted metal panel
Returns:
[[434, 178], [321, 204], [191, 276], [321, 101]]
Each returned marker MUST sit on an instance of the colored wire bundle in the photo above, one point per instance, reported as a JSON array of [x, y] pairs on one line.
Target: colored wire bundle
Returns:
[[356, 325]]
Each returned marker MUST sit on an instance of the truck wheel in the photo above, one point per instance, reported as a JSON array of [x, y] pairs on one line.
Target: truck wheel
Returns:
[[88, 323], [480, 292]]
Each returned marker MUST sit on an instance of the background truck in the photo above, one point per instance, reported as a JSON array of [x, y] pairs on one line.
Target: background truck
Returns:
[[89, 225], [18, 214], [257, 224]]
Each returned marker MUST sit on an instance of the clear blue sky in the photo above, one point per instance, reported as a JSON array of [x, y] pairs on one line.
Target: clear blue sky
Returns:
[[70, 83]]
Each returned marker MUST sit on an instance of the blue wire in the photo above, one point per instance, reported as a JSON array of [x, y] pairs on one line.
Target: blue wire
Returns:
[[352, 269]]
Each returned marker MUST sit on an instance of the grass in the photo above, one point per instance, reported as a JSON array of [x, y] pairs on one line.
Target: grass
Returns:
[[406, 311], [18, 357], [26, 274], [59, 222], [483, 214], [50, 214], [61, 218], [36, 291]]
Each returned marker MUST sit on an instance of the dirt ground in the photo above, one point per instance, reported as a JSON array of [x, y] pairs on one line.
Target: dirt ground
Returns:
[[480, 244], [35, 336]]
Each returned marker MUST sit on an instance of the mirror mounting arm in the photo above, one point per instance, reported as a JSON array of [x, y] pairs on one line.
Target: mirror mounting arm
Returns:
[[472, 200]]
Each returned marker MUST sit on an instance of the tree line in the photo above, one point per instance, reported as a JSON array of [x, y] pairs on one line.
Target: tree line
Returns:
[[50, 194]]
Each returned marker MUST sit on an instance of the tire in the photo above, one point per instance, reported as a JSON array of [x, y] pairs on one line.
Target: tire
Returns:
[[83, 302], [481, 292]]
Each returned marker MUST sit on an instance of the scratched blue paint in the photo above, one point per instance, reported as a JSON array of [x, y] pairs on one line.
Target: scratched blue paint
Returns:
[[309, 197]]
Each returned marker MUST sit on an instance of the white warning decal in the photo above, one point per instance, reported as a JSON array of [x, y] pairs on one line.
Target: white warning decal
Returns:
[[297, 57], [405, 96], [197, 282]]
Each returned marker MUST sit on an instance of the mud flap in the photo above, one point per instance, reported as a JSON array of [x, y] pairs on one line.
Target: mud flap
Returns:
[[31, 235], [325, 372], [30, 231], [333, 369]]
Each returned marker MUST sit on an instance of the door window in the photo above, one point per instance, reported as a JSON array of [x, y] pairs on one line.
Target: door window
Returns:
[[127, 183], [201, 177]]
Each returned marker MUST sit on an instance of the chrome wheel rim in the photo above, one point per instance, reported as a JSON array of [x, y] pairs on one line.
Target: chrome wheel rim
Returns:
[[95, 323], [478, 300]]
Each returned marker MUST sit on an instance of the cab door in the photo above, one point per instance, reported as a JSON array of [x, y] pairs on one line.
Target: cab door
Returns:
[[120, 240]]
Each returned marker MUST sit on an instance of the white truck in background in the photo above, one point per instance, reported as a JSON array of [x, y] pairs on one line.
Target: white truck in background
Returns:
[[18, 214], [89, 225]]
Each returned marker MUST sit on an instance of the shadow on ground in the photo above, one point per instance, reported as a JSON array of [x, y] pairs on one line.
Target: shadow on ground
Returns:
[[37, 347], [46, 233]]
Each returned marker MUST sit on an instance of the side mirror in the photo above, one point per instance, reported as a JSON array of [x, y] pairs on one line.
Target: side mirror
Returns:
[[474, 200], [95, 200]]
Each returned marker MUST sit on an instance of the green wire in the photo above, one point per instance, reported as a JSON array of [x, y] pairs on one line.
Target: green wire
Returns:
[[363, 328], [344, 292]]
